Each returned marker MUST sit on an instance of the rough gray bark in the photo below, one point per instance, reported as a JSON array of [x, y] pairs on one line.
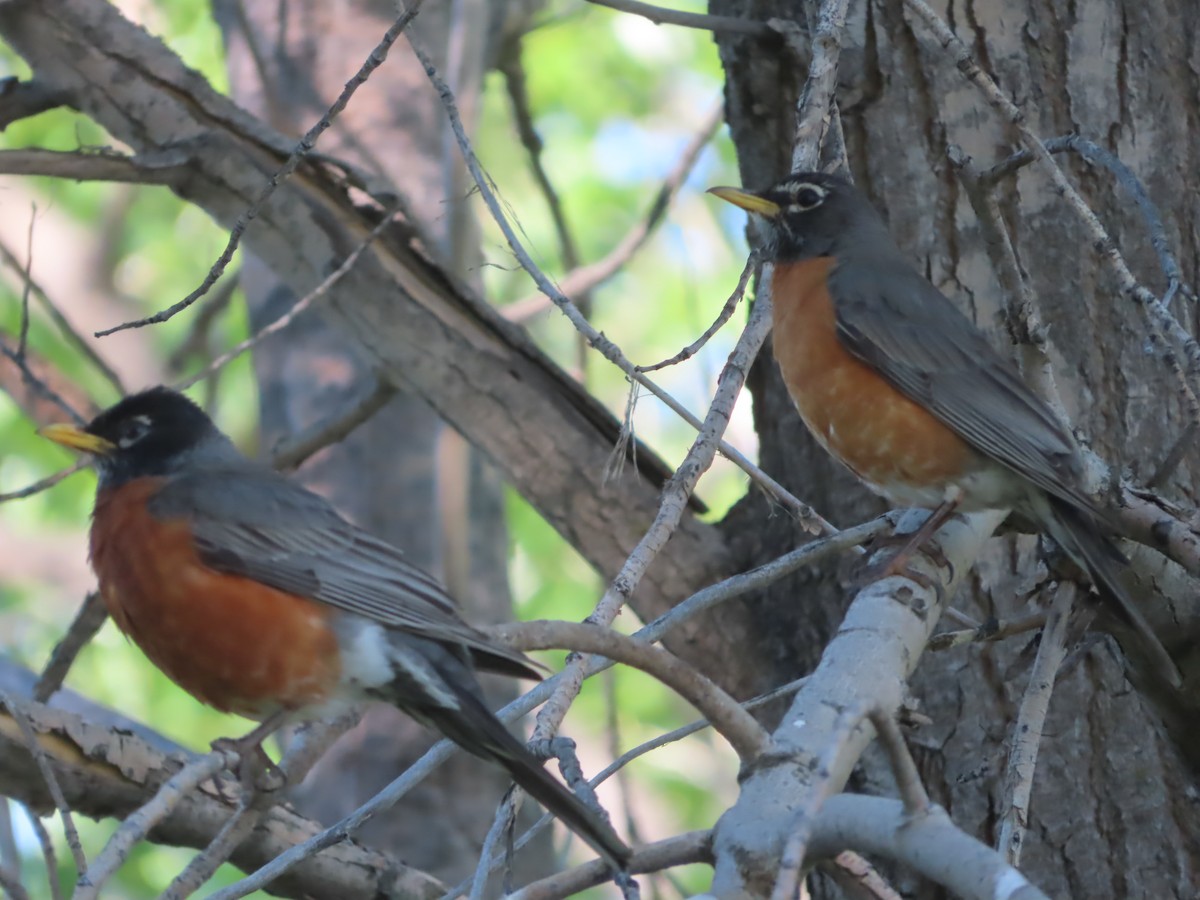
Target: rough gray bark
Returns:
[[107, 772], [1110, 818]]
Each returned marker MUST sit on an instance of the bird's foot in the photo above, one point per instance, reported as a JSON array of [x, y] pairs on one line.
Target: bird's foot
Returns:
[[899, 565], [896, 566], [256, 771]]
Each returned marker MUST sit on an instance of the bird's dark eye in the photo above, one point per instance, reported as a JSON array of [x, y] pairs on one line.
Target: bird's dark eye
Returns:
[[132, 431], [809, 196]]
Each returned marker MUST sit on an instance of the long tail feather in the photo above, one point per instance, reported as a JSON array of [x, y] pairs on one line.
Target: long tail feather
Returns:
[[474, 728], [1080, 538]]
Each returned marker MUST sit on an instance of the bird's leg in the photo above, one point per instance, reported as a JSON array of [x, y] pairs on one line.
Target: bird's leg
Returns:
[[939, 517], [898, 564], [253, 758]]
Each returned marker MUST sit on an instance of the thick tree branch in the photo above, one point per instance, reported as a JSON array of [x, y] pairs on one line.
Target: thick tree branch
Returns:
[[22, 99], [108, 772], [88, 620], [731, 721], [167, 167], [660, 15], [931, 845], [864, 667]]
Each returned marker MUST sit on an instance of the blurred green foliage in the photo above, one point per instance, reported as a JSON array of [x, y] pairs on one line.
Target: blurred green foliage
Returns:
[[615, 99]]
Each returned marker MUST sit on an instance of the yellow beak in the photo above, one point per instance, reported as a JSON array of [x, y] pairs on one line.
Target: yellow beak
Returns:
[[77, 439], [747, 201]]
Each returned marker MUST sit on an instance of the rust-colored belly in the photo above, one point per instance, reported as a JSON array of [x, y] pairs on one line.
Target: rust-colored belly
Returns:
[[231, 642], [892, 443]]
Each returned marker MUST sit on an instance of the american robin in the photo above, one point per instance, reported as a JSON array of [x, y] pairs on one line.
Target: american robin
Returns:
[[256, 597], [905, 391]]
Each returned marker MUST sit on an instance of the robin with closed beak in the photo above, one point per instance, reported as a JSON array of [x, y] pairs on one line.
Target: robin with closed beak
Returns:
[[256, 597], [905, 391]]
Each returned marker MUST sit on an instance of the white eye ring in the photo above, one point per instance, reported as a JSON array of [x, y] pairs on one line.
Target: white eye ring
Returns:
[[813, 196], [134, 431]]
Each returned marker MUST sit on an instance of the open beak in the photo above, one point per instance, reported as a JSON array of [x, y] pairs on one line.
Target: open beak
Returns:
[[747, 201], [77, 439]]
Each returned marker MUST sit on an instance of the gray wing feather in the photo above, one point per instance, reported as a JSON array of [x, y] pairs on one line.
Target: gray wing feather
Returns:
[[889, 321], [258, 524]]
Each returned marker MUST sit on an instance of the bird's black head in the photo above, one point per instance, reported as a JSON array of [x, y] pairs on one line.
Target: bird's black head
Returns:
[[151, 433], [809, 214]]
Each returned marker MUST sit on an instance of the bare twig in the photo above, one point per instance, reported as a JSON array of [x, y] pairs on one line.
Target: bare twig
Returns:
[[286, 319], [343, 829], [26, 282], [1174, 456], [864, 666], [614, 738], [761, 577], [44, 483], [1152, 520], [301, 150], [73, 337], [107, 769], [904, 767], [592, 275], [9, 855], [662, 16], [1098, 156], [249, 812], [49, 778], [296, 448], [1024, 324], [506, 817], [848, 865], [209, 310], [88, 620], [40, 385], [674, 497], [164, 167], [10, 881], [48, 854], [692, 847], [513, 69], [814, 109], [1027, 731], [564, 750], [737, 726], [253, 805], [726, 312], [990, 630], [691, 728], [138, 824]]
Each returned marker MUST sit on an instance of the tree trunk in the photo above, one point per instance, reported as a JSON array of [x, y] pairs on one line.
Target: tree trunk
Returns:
[[1111, 814]]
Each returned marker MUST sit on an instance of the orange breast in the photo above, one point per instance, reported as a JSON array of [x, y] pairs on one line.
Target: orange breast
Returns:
[[893, 444], [231, 642]]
